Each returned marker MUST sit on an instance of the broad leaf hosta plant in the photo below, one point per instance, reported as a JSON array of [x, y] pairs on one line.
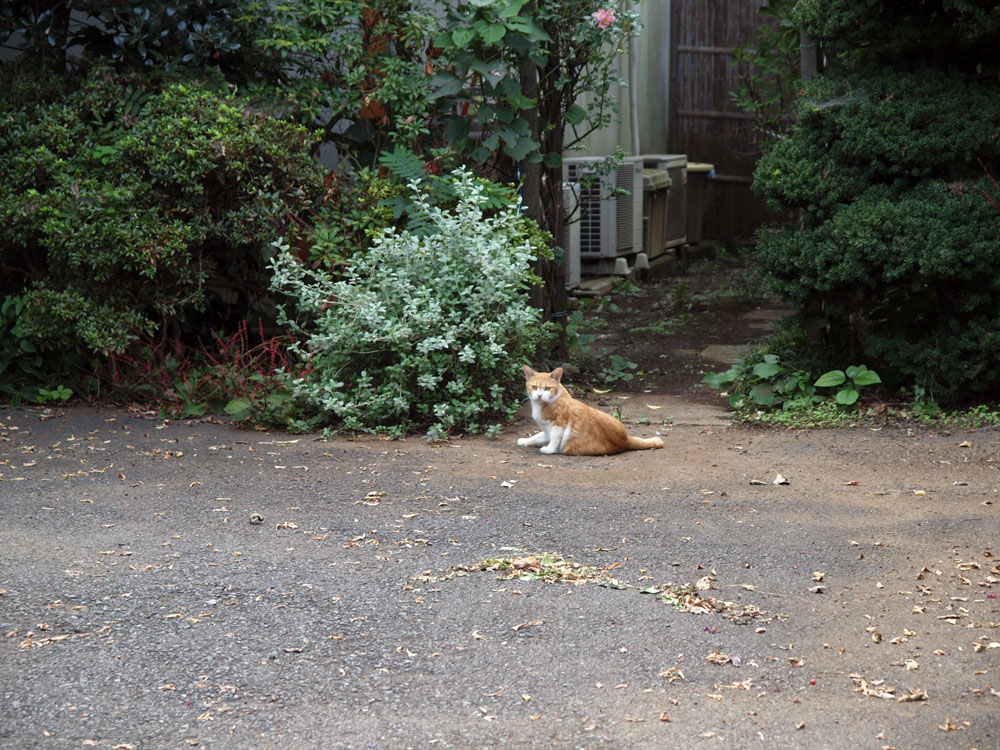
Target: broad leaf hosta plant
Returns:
[[850, 381], [424, 331]]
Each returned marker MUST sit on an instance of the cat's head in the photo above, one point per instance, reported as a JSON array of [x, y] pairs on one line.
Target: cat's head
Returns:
[[543, 386]]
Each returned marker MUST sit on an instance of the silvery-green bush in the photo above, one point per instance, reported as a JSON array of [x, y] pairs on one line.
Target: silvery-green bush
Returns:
[[423, 331]]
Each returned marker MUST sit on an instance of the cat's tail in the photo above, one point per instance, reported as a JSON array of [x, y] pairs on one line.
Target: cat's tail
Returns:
[[642, 444]]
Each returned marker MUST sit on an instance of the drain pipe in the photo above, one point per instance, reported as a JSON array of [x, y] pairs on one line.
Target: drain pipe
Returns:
[[633, 94]]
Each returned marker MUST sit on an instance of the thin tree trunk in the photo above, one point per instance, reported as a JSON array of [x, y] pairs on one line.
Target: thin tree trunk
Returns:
[[531, 172], [550, 297]]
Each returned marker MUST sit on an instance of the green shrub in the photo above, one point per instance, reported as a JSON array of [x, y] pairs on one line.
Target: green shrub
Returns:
[[355, 212], [946, 32], [126, 210], [424, 331], [195, 35], [26, 372], [892, 253]]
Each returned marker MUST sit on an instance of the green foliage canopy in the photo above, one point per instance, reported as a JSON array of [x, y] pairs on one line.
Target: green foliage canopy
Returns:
[[122, 205], [892, 249]]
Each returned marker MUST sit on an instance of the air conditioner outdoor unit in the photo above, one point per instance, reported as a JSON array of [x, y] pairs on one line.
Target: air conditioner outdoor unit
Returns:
[[677, 210], [610, 225], [569, 234]]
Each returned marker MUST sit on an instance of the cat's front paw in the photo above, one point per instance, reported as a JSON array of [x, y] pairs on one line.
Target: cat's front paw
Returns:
[[548, 449], [524, 441]]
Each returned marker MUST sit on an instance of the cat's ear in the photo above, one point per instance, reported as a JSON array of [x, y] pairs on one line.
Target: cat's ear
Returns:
[[528, 373], [557, 374]]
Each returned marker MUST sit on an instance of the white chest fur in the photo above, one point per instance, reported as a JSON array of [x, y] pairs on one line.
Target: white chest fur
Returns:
[[536, 412], [552, 437]]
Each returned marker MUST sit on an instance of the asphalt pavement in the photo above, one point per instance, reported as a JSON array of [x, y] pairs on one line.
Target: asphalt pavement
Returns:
[[178, 585]]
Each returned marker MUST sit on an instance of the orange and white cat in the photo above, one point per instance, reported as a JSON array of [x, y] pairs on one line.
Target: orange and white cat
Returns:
[[572, 427]]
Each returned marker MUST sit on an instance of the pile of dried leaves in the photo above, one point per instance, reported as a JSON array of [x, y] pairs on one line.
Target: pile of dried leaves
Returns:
[[552, 567]]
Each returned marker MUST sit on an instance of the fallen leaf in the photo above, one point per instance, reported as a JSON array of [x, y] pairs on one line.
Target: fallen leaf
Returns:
[[372, 498], [599, 390], [718, 658], [523, 625], [965, 444], [875, 688], [779, 480], [795, 661], [818, 576]]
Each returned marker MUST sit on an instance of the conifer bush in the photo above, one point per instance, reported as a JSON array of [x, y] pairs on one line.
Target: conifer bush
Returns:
[[891, 250]]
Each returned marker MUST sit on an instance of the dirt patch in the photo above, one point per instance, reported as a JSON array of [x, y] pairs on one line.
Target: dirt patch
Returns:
[[662, 335]]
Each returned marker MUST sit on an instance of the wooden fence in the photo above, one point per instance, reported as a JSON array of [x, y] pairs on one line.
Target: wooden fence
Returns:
[[703, 121]]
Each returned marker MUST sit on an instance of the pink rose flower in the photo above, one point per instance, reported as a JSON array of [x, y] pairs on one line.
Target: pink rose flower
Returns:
[[604, 18]]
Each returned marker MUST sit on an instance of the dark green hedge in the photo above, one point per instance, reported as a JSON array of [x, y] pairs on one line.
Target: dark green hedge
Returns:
[[944, 32], [891, 245], [125, 208]]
